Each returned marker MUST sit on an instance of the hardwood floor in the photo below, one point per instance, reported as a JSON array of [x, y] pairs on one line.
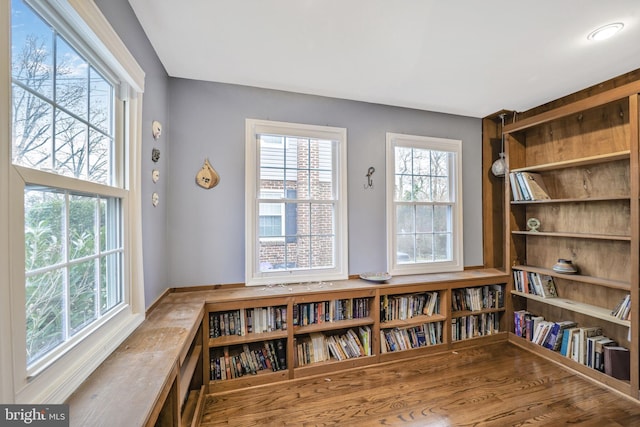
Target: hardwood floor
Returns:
[[495, 385]]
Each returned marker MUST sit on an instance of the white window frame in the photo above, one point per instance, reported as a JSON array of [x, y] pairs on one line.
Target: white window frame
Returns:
[[253, 276], [455, 189], [82, 22]]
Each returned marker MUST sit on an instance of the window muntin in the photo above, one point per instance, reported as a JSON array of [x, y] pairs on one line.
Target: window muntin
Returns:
[[424, 204], [295, 186], [63, 122]]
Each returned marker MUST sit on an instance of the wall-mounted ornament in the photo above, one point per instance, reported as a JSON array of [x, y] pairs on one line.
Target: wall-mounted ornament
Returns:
[[155, 199], [156, 129], [155, 155], [207, 177], [369, 176], [155, 175]]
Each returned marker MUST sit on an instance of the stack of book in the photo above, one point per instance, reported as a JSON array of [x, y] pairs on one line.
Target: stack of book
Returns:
[[403, 307], [238, 361], [477, 325], [538, 284], [528, 186], [478, 298], [398, 339]]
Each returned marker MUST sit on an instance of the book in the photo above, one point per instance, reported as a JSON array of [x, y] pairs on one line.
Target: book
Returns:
[[536, 188], [617, 362], [547, 286], [600, 344], [586, 332]]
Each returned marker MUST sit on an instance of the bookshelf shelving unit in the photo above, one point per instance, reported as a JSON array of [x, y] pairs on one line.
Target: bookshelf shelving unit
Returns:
[[363, 297], [587, 154]]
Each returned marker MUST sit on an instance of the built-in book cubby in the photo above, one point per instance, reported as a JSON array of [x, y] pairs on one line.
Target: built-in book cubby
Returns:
[[318, 329], [571, 198]]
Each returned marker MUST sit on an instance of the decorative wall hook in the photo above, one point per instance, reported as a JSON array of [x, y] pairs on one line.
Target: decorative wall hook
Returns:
[[369, 174]]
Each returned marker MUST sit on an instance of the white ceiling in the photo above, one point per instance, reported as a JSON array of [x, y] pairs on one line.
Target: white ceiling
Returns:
[[466, 57]]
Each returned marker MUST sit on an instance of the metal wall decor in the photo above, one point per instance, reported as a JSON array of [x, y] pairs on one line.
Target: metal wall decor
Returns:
[[155, 155]]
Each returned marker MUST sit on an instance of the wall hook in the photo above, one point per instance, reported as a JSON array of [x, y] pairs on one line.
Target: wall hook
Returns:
[[370, 172]]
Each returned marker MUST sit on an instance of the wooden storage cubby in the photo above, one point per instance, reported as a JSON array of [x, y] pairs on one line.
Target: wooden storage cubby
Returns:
[[364, 297], [587, 155], [477, 312]]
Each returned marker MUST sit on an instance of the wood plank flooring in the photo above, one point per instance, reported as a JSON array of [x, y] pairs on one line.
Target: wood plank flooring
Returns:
[[495, 385]]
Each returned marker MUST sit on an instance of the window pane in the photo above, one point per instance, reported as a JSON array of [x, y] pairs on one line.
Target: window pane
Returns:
[[100, 102], [422, 188], [82, 226], [424, 248], [82, 295], [406, 249], [403, 188], [322, 251], [403, 160], [110, 279], [71, 138], [44, 228], [32, 130], [100, 149], [424, 219], [320, 159], [441, 218], [442, 247], [272, 255], [322, 222], [71, 79], [31, 50], [421, 162], [405, 219], [44, 313]]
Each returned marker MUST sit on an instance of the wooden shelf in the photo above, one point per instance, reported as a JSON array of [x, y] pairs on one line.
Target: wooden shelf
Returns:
[[333, 365], [413, 352], [414, 321], [572, 235], [260, 378], [187, 370], [464, 313], [584, 200], [332, 326], [248, 338], [582, 161], [614, 284], [593, 374], [578, 307]]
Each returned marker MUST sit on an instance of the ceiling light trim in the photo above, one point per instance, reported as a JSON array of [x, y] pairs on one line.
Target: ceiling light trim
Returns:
[[606, 31]]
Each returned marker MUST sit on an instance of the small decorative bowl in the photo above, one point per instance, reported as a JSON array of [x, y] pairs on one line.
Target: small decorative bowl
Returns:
[[565, 266]]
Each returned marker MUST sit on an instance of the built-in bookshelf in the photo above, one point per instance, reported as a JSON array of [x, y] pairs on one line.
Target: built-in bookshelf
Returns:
[[477, 312], [571, 193], [257, 336]]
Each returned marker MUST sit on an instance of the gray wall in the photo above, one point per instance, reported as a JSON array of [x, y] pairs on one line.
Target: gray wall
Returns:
[[206, 233], [196, 236], [155, 105]]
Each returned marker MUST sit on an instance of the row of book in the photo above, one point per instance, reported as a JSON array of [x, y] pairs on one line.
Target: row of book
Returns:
[[623, 309], [330, 311], [398, 339], [235, 363], [538, 284], [528, 186], [584, 344], [475, 325], [246, 321], [478, 298], [318, 347], [403, 307]]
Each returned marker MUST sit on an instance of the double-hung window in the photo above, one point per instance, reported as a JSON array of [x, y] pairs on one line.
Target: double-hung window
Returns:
[[296, 208], [71, 185], [424, 204]]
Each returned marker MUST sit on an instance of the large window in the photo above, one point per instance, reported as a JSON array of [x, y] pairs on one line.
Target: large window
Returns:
[[70, 189], [296, 203], [424, 204]]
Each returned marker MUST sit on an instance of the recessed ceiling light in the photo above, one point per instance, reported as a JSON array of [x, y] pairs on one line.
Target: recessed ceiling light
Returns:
[[605, 31]]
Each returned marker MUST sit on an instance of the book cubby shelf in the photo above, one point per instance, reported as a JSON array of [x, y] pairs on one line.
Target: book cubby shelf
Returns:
[[465, 313], [416, 320], [570, 200], [330, 326], [248, 338], [613, 284], [578, 307]]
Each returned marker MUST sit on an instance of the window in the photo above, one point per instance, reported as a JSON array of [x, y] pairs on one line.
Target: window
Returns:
[[296, 203], [424, 204], [71, 127]]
